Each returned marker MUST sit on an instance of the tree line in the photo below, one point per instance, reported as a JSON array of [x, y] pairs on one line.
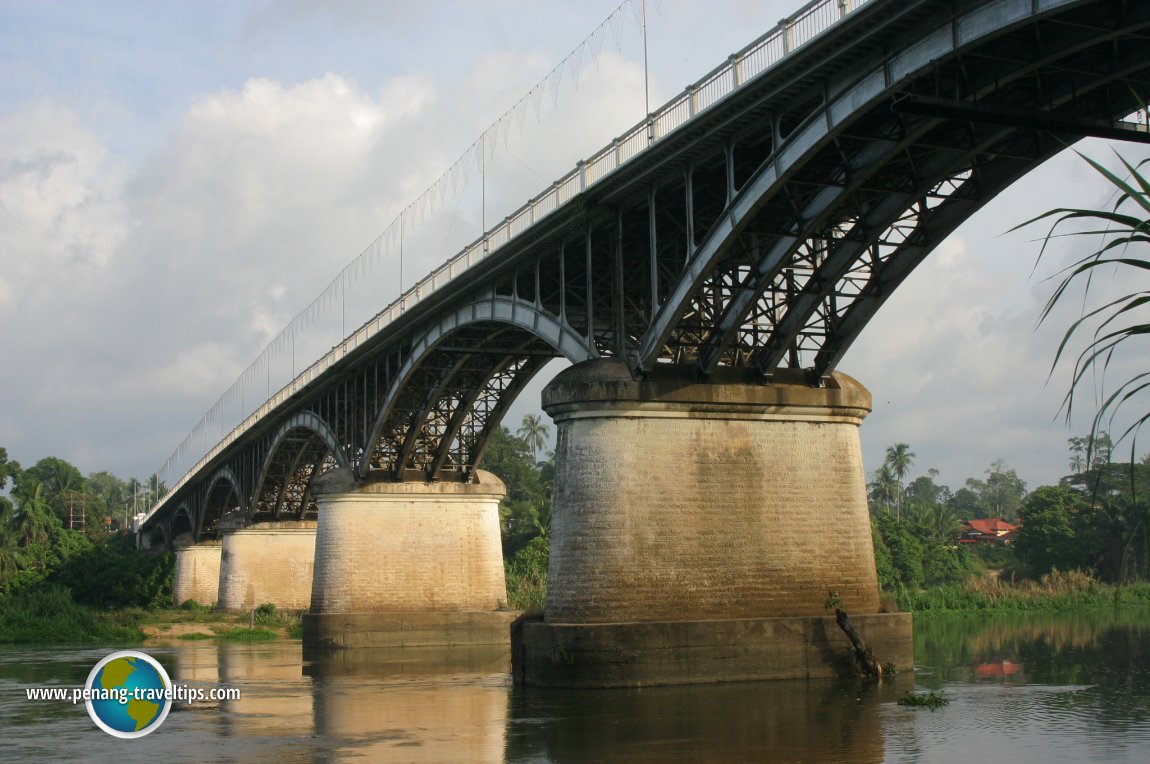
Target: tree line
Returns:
[[1096, 520], [58, 527]]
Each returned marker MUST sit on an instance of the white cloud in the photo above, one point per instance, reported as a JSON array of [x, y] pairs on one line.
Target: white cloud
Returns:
[[161, 283], [258, 198], [61, 214]]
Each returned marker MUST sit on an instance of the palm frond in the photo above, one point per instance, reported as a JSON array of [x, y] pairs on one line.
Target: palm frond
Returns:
[[1121, 232]]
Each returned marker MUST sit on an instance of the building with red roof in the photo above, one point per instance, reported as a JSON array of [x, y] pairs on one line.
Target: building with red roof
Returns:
[[993, 530]]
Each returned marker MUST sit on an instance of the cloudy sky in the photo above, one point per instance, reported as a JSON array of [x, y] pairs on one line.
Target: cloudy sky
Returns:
[[179, 180]]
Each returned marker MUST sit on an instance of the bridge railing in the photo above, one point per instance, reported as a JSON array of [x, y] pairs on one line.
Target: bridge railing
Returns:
[[808, 22]]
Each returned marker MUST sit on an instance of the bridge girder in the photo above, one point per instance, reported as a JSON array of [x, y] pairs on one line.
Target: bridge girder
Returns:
[[183, 521], [764, 233], [773, 283], [460, 376], [303, 448], [223, 496]]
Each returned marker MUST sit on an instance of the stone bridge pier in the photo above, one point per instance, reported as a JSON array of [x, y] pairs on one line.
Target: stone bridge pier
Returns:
[[267, 562], [699, 530], [407, 564], [197, 572]]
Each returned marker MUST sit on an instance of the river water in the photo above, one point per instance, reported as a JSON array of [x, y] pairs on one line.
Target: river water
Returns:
[[1038, 688]]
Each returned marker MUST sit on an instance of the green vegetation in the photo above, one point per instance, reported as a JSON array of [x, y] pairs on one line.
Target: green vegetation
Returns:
[[1054, 591], [931, 700], [1081, 543], [59, 527], [195, 607], [268, 616], [527, 576], [68, 570], [525, 513], [49, 614], [248, 635], [1118, 237]]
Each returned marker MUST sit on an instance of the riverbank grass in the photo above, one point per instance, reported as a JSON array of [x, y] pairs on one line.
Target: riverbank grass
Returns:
[[48, 614], [1057, 590], [192, 621]]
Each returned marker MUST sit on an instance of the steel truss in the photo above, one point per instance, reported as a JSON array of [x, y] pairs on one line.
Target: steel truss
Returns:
[[763, 233]]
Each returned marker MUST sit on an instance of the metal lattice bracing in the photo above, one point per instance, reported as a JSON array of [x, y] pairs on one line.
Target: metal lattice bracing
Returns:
[[762, 232], [222, 501], [445, 401], [182, 523]]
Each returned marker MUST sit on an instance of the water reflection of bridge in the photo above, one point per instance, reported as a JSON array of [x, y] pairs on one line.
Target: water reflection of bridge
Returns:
[[292, 708], [704, 274]]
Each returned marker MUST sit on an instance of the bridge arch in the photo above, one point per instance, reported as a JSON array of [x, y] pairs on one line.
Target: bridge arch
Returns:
[[183, 522], [223, 496], [156, 536], [460, 377], [303, 448], [884, 165]]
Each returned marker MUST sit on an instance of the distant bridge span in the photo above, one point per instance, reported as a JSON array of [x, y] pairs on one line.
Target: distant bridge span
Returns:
[[779, 202]]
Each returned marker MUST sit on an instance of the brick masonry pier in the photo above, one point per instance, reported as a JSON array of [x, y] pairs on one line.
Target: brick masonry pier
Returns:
[[700, 528], [267, 563], [197, 572], [408, 565]]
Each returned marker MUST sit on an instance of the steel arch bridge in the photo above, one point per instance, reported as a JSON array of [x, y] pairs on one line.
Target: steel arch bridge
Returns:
[[762, 232]]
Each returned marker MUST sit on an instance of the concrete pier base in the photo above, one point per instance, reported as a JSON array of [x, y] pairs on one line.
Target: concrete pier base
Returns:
[[700, 529], [426, 660], [406, 630], [197, 573], [402, 565], [267, 563], [695, 652]]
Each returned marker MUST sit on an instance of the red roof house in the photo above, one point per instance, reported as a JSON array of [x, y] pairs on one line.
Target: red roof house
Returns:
[[994, 530]]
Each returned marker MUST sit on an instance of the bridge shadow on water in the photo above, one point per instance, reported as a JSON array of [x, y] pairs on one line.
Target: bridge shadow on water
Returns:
[[784, 721], [428, 705]]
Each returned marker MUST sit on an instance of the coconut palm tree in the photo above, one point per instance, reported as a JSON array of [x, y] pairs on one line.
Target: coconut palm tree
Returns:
[[884, 489], [936, 521], [1077, 454], [11, 555], [156, 488], [134, 490], [899, 459], [540, 515], [534, 433], [33, 521]]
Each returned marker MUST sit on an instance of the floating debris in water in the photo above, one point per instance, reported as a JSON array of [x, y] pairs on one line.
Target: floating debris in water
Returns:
[[931, 700]]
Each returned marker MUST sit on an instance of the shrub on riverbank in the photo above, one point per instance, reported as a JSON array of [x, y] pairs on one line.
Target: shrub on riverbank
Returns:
[[111, 573], [48, 614], [269, 616], [1056, 590], [244, 634], [526, 574]]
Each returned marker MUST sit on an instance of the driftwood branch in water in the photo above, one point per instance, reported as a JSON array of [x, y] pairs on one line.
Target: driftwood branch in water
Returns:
[[865, 661]]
